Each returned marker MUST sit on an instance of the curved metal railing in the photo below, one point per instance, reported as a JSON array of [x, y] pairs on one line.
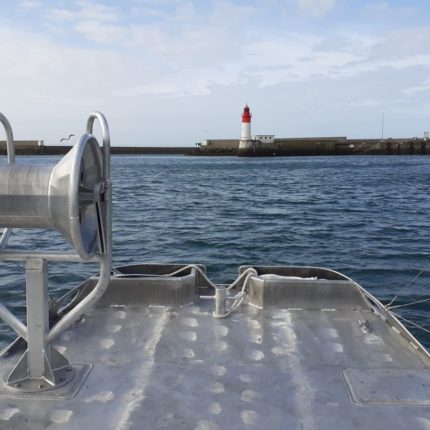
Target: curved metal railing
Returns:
[[10, 148], [8, 317]]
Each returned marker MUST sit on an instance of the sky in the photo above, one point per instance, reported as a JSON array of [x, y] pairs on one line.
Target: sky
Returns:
[[173, 72]]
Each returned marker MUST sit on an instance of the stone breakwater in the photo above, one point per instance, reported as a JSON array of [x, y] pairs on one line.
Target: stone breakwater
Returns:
[[317, 146], [124, 150], [280, 147]]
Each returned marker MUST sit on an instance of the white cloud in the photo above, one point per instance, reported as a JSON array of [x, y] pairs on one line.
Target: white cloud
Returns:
[[377, 6], [316, 7], [365, 103], [86, 11], [390, 10], [100, 32], [166, 88], [195, 57], [185, 12], [29, 4], [423, 87], [294, 58], [403, 43], [205, 50]]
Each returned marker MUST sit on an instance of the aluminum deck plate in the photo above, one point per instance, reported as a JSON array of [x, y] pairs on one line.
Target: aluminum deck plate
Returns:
[[165, 368]]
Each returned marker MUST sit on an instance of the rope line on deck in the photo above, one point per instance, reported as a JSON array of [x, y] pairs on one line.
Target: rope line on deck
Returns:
[[409, 304], [389, 305], [411, 322]]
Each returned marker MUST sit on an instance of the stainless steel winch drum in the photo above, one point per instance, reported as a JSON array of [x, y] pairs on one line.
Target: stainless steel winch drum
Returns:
[[60, 196]]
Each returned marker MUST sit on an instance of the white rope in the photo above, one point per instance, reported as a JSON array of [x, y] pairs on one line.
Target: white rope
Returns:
[[200, 270], [389, 305], [411, 322], [409, 304]]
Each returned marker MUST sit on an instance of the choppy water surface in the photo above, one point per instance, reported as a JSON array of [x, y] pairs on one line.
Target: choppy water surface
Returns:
[[367, 217]]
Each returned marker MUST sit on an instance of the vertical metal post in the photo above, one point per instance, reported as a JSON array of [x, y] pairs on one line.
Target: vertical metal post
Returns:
[[41, 367], [220, 301], [37, 316]]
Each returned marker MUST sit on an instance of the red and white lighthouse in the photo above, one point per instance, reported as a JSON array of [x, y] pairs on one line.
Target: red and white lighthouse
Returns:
[[246, 123]]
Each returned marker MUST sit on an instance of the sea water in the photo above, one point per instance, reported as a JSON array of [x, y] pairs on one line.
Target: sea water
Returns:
[[365, 216]]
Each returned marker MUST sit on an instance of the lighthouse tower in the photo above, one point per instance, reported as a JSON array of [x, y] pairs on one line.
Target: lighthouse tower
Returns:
[[245, 141]]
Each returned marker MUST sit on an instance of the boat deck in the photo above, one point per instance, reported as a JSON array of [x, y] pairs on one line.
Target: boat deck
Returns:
[[176, 367]]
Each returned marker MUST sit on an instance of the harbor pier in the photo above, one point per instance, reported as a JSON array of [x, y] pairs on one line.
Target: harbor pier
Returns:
[[278, 147], [314, 146]]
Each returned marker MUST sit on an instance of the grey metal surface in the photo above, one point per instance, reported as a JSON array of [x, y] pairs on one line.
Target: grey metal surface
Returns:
[[305, 294], [24, 191], [407, 387], [38, 314], [179, 368], [151, 288], [304, 288], [48, 256], [66, 390]]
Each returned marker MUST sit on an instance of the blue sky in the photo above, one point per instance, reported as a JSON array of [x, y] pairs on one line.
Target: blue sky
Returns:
[[172, 72]]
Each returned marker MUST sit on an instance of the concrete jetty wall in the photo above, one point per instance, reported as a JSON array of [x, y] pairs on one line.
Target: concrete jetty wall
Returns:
[[338, 145], [23, 146], [280, 147], [30, 148], [218, 147]]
